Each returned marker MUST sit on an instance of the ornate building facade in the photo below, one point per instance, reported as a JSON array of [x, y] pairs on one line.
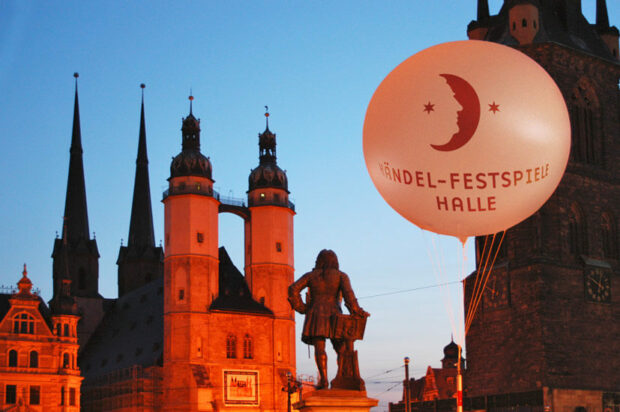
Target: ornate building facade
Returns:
[[546, 335], [38, 351]]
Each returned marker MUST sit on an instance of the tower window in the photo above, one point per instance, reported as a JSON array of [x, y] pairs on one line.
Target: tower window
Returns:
[[577, 232], [58, 329], [248, 349], [13, 358], [10, 396], [35, 395], [608, 237], [72, 396], [65, 361], [66, 329], [279, 246], [231, 347], [514, 26], [181, 294], [62, 395], [534, 23], [524, 23], [82, 279], [34, 359], [200, 237]]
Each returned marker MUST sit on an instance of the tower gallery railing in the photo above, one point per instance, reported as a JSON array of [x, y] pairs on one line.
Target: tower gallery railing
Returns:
[[198, 189]]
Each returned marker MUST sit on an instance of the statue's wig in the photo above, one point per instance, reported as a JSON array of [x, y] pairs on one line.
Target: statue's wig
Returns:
[[326, 259]]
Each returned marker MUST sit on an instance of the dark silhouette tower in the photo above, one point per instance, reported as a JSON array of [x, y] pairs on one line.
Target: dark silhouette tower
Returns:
[[140, 261], [547, 328], [75, 256], [75, 246]]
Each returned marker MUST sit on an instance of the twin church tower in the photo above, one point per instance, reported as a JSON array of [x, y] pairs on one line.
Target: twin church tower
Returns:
[[219, 339]]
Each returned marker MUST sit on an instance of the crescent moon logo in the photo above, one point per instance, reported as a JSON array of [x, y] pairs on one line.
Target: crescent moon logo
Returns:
[[467, 118]]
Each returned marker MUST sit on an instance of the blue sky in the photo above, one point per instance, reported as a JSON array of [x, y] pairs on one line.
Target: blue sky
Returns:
[[315, 64]]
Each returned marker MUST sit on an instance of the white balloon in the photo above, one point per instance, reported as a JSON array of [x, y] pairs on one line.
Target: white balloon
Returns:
[[467, 138]]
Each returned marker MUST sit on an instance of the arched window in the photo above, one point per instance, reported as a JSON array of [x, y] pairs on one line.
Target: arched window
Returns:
[[66, 329], [66, 361], [58, 329], [248, 347], [584, 111], [609, 236], [577, 234], [34, 359], [231, 347], [13, 358], [23, 323]]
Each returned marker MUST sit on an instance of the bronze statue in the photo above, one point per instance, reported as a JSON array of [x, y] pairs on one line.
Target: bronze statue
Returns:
[[327, 286]]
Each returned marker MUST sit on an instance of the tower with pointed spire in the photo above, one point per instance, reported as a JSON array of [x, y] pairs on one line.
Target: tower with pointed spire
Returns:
[[75, 255], [541, 335], [140, 261]]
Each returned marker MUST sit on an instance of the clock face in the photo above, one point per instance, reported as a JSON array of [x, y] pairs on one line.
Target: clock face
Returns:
[[496, 293], [598, 285]]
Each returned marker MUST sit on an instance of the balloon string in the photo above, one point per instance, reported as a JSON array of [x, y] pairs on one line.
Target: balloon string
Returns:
[[477, 280], [461, 332], [487, 278], [480, 279], [437, 270]]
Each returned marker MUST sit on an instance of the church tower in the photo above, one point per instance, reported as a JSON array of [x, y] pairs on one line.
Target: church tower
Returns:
[[190, 265], [269, 244], [140, 261], [546, 332], [75, 256], [75, 251]]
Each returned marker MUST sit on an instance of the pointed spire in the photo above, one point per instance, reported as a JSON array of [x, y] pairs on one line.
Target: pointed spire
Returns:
[[267, 142], [483, 10], [141, 233], [24, 285], [602, 18], [75, 202], [191, 129]]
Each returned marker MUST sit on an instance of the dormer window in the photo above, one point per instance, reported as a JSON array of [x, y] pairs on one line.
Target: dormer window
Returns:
[[23, 323]]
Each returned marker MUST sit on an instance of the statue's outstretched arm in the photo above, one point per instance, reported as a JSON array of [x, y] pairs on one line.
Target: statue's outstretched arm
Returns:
[[294, 293]]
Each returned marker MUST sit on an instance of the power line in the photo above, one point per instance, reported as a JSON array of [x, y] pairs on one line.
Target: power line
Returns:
[[410, 290]]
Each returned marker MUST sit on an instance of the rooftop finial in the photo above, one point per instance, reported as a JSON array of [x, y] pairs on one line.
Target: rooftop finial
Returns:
[[25, 272], [267, 116], [76, 75], [191, 99], [142, 86]]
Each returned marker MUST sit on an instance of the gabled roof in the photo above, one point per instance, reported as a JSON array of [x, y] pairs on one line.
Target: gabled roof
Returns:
[[234, 293], [5, 306]]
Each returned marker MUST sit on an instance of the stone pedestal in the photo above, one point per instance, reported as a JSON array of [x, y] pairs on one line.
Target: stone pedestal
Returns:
[[335, 400]]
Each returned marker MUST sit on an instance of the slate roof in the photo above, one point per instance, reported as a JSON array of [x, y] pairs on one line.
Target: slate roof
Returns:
[[131, 333], [234, 293]]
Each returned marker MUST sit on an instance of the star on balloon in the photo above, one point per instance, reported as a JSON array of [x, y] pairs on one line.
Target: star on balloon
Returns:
[[429, 107], [493, 107]]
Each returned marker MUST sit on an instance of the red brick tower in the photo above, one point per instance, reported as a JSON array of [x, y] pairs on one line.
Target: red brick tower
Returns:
[[190, 266], [546, 333]]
